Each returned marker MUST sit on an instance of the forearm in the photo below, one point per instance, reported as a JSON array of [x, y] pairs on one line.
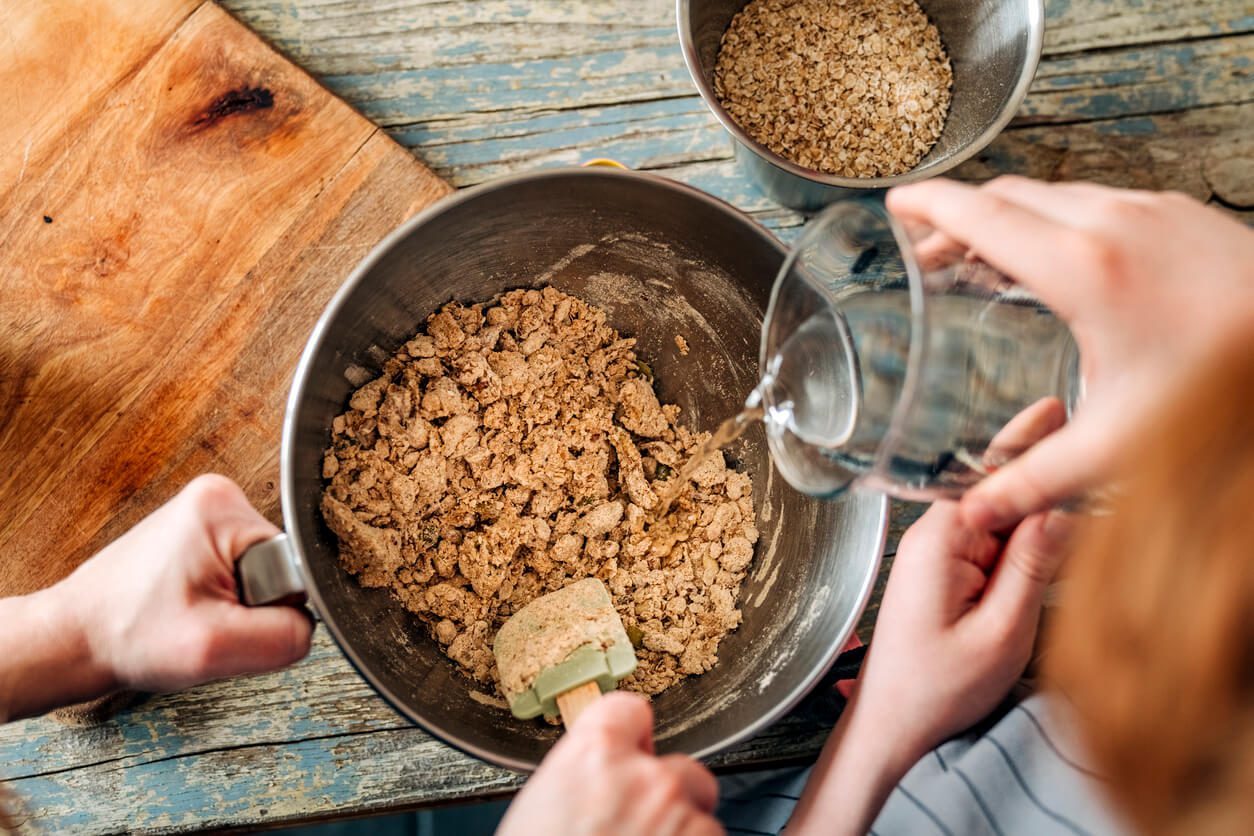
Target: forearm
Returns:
[[45, 656], [860, 764]]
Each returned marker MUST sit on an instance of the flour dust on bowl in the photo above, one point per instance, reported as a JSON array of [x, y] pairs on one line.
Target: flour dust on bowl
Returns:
[[663, 260]]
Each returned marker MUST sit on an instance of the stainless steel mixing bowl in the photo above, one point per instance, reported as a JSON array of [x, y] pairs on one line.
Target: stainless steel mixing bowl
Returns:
[[993, 45], [663, 260]]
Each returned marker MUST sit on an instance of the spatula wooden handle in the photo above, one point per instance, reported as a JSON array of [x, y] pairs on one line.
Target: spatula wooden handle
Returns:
[[573, 702]]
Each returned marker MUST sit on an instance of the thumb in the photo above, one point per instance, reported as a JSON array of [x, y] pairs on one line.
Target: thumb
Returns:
[[1058, 468], [699, 783], [1035, 422], [228, 518], [620, 719], [1028, 565], [257, 639]]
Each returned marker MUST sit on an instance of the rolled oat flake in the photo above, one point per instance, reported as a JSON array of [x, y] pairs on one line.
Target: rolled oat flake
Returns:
[[854, 88]]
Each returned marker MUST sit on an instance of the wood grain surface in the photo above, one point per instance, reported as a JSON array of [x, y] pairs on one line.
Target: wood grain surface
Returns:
[[59, 58], [481, 89], [1154, 93], [188, 201]]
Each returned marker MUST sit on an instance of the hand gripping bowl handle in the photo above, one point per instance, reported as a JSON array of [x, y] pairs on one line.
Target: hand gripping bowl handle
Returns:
[[268, 572]]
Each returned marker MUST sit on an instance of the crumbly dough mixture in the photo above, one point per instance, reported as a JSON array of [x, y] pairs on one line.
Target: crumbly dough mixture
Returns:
[[544, 634], [855, 88], [515, 447]]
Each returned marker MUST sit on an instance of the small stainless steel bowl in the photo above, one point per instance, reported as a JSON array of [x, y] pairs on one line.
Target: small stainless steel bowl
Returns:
[[994, 46]]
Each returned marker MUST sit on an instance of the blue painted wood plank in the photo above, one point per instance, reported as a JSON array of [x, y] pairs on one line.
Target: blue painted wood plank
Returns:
[[1146, 80], [486, 88], [587, 79], [670, 132]]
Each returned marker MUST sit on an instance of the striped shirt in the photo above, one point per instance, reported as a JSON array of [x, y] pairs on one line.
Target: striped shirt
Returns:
[[1019, 772]]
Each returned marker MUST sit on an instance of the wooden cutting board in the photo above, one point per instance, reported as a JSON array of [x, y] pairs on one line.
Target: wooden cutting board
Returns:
[[177, 204]]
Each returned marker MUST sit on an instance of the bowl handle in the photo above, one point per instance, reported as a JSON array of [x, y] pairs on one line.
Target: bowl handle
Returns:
[[268, 572]]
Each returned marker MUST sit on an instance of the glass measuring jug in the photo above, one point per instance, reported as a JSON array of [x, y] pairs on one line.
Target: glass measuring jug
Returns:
[[891, 358]]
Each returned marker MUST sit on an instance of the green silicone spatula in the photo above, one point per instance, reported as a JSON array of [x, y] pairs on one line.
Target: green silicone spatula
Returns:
[[560, 652]]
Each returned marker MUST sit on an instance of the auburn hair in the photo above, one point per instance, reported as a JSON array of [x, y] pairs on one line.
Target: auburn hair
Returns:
[[1154, 641]]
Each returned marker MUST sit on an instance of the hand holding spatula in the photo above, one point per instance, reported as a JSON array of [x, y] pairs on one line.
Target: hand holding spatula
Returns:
[[559, 653]]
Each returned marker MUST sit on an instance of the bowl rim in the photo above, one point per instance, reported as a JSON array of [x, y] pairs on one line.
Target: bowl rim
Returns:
[[1027, 73], [287, 476]]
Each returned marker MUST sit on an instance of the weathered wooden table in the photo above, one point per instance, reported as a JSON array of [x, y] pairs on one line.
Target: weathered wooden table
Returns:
[[1148, 93]]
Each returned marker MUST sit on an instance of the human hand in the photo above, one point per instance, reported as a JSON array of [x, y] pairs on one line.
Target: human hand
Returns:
[[955, 630], [1149, 284], [159, 605], [603, 778], [957, 623]]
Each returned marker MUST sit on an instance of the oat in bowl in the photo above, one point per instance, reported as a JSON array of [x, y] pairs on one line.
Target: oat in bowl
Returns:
[[859, 88], [824, 98]]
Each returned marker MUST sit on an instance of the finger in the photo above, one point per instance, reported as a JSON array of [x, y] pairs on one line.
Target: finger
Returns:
[[936, 250], [1028, 565], [231, 521], [620, 718], [1033, 249], [1073, 204], [702, 825], [1061, 467], [1034, 423], [932, 528], [945, 261], [256, 639], [698, 782], [943, 530]]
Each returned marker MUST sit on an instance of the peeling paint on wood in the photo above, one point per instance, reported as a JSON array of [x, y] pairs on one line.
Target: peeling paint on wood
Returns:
[[478, 91], [483, 88]]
